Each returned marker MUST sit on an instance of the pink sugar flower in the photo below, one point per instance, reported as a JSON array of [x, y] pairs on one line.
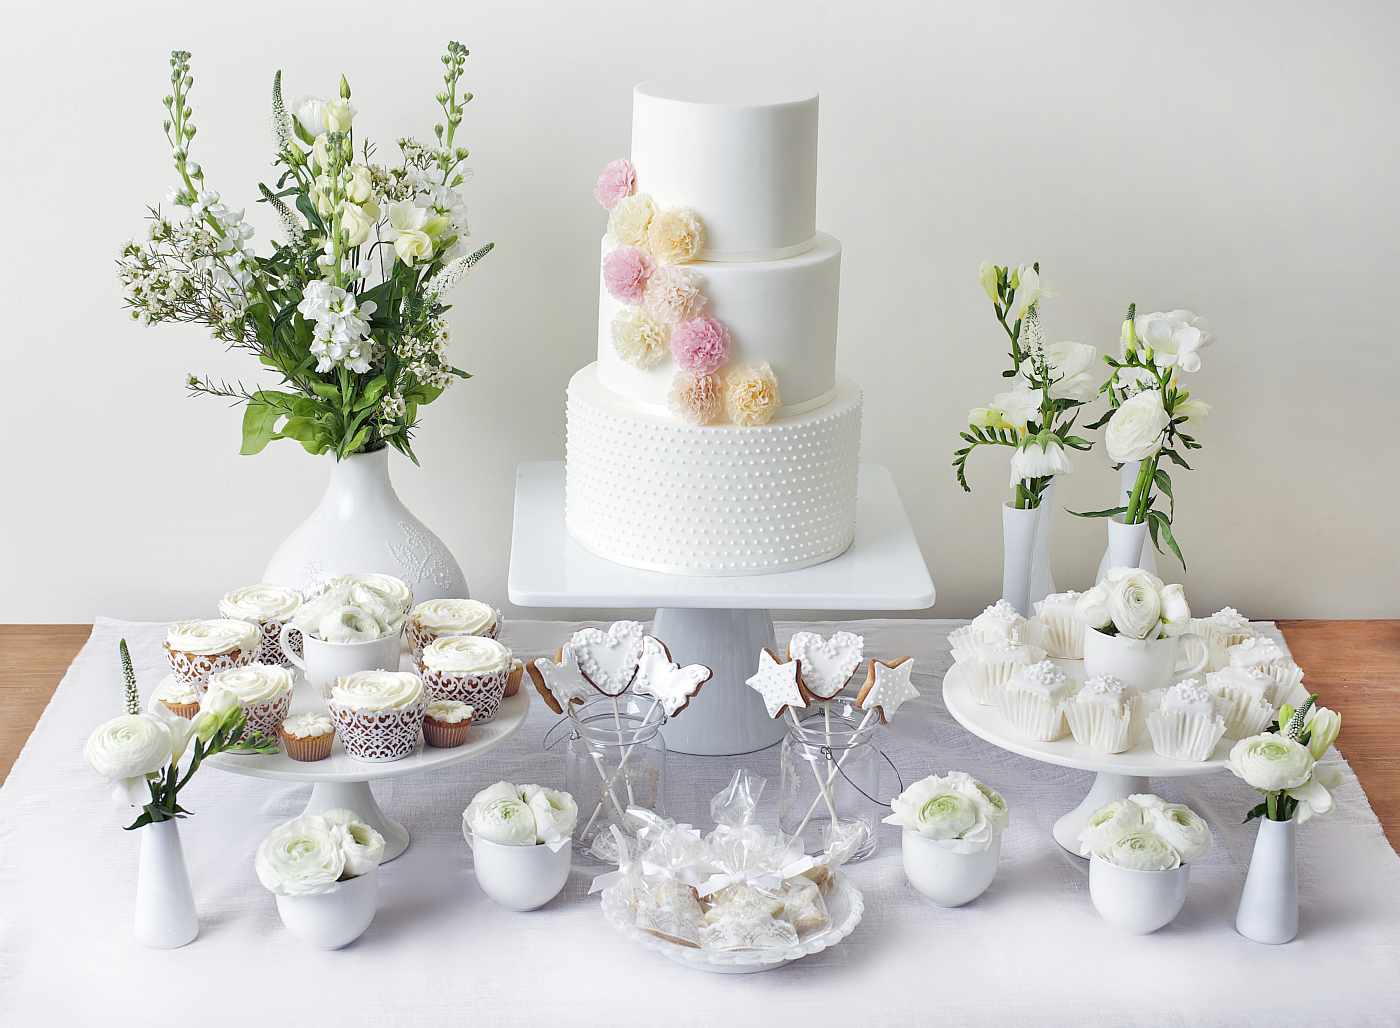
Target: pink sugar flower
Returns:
[[617, 180], [625, 273], [701, 344]]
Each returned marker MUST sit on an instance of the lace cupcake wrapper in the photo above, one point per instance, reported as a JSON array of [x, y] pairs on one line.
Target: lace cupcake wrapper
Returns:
[[420, 638], [195, 668], [376, 736], [483, 693], [266, 716]]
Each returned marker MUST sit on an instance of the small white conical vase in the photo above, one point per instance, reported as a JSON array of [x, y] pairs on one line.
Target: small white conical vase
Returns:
[[1146, 555], [165, 914], [361, 526], [1025, 569], [1269, 906]]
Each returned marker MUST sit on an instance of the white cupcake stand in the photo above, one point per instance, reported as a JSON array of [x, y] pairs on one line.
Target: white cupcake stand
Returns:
[[722, 623], [342, 781], [1119, 774]]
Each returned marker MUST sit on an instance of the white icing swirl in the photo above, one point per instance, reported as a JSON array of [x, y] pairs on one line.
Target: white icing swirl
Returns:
[[308, 724], [261, 602], [449, 712], [178, 692], [1044, 680], [255, 682], [378, 690], [466, 654], [223, 635], [385, 585], [470, 617]]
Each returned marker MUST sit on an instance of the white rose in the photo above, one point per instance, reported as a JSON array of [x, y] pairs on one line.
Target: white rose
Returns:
[[556, 814], [1175, 612], [1092, 607], [360, 845], [125, 750], [300, 858], [1143, 850], [1108, 824], [338, 115], [320, 158], [1176, 337], [1135, 430], [1136, 605], [1181, 828], [310, 113], [1017, 407], [1071, 371], [1271, 762], [356, 224], [1039, 458]]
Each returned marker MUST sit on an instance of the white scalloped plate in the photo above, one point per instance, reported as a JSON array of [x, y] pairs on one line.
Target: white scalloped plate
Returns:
[[844, 903]]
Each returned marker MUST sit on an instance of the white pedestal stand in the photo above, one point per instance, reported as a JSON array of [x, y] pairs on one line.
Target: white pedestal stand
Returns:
[[722, 623]]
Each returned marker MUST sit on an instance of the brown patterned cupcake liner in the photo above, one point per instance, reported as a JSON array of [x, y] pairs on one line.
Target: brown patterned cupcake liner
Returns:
[[446, 735], [187, 710], [483, 693], [309, 747], [195, 668], [378, 735]]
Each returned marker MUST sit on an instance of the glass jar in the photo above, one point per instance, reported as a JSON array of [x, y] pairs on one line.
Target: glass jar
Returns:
[[827, 743], [615, 759]]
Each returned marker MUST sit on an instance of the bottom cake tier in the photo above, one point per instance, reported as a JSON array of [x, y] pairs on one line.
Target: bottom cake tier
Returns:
[[652, 493]]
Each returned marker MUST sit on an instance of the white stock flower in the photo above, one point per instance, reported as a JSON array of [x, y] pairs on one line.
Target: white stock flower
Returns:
[[125, 750], [341, 333], [1135, 603], [1017, 407], [1135, 430], [1176, 337], [360, 845], [1071, 371], [1092, 607], [1176, 613], [1038, 458], [1028, 291], [1179, 827], [1271, 762], [556, 814], [1107, 825], [300, 858]]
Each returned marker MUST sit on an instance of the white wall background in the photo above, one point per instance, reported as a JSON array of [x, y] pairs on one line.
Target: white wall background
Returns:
[[1237, 159]]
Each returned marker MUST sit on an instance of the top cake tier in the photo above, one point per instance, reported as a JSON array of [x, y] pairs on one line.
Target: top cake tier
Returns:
[[741, 153]]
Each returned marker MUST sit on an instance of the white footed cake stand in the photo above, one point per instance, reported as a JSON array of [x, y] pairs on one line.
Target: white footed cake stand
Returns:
[[1119, 774], [722, 623], [342, 781]]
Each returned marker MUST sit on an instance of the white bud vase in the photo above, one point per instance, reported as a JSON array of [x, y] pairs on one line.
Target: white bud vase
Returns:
[[1269, 906], [1025, 574], [165, 914], [1123, 551], [362, 526]]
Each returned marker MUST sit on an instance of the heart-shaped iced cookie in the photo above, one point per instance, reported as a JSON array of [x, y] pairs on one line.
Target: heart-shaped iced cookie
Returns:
[[827, 664], [663, 680], [609, 659], [559, 681]]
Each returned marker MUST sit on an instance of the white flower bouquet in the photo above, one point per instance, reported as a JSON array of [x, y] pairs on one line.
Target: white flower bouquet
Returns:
[[956, 811], [1050, 382], [347, 310], [522, 815], [1145, 833], [1283, 763], [1135, 604], [313, 854]]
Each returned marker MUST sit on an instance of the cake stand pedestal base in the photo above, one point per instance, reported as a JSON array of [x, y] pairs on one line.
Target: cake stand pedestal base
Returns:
[[1107, 788], [358, 796]]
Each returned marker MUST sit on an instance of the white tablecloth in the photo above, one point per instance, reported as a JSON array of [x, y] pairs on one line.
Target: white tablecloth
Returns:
[[1032, 950]]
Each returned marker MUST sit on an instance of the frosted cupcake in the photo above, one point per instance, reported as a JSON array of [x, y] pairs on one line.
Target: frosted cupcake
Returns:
[[378, 713], [1033, 700], [196, 649], [264, 691], [179, 698], [308, 736], [445, 723], [1228, 627], [470, 669], [1185, 725], [267, 606], [998, 623], [387, 586], [990, 665], [1264, 654], [1102, 715], [517, 672], [1064, 632], [432, 619], [1244, 697]]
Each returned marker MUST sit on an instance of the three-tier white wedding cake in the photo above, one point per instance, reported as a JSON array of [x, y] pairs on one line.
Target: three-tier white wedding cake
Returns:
[[713, 435]]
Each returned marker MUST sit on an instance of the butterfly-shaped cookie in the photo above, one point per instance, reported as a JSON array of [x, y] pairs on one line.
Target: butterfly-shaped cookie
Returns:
[[778, 682], [827, 664], [609, 659], [887, 686], [662, 679], [559, 681]]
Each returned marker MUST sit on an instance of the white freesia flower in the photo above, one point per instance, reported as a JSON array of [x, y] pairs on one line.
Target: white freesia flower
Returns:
[[986, 417], [1179, 827], [507, 820], [360, 845], [1271, 762], [300, 858], [1135, 430], [1315, 796], [214, 707], [556, 813], [1092, 607], [1325, 725], [1136, 603], [181, 728], [1017, 407], [1072, 371], [1143, 850], [987, 275], [1039, 458], [1029, 290], [1194, 411], [125, 750], [1176, 337], [1107, 825]]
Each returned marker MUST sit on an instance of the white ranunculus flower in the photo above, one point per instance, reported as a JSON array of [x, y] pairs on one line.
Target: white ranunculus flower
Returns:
[[1181, 828], [1315, 796], [933, 809], [1092, 607], [1194, 411], [1072, 371], [1107, 825], [987, 275], [1143, 850], [1176, 614], [1135, 430], [499, 791], [300, 858], [994, 807], [509, 822], [1029, 289], [360, 845], [1136, 605], [125, 750], [1325, 725], [1176, 337], [556, 813], [1035, 458], [350, 624], [1271, 762], [1017, 407]]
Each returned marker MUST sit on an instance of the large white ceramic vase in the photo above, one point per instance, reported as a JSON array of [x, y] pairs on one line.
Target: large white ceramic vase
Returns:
[[361, 525]]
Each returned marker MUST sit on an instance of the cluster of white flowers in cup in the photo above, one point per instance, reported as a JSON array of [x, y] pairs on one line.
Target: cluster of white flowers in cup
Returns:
[[312, 854], [1146, 833], [350, 613], [1135, 604], [522, 815], [1283, 764], [956, 811]]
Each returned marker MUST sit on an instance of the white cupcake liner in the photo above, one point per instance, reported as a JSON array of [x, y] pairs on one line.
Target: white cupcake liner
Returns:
[[195, 668], [961, 639], [1096, 727], [376, 736], [1030, 715], [988, 677], [1064, 636], [266, 716], [1288, 677], [1246, 713], [1033, 632], [1179, 736]]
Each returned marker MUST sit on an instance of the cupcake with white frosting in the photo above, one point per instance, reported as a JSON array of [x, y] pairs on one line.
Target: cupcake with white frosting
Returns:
[[1104, 715], [264, 691], [1244, 697], [468, 668], [517, 672], [378, 713], [445, 723], [432, 619], [179, 697], [1228, 627], [308, 735], [990, 665], [1064, 632], [1258, 652], [196, 649], [267, 606], [1033, 701], [1186, 724]]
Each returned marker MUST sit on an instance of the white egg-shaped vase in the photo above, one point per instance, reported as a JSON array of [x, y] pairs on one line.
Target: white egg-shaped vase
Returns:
[[1137, 902], [949, 879], [331, 920], [361, 526], [519, 877]]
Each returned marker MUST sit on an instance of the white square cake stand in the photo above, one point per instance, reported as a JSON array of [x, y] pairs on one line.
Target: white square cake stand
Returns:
[[722, 623]]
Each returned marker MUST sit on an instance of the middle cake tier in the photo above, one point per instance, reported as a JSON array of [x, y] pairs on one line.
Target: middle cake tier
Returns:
[[783, 312]]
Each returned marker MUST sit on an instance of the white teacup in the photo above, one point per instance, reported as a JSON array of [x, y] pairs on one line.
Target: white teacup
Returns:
[[1144, 664], [519, 877], [323, 662]]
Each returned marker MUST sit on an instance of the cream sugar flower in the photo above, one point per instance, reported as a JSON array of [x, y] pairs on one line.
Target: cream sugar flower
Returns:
[[675, 235], [673, 294], [639, 339], [695, 399], [751, 395], [630, 218]]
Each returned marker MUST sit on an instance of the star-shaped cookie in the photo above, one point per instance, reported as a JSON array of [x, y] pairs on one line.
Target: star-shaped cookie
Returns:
[[777, 682], [887, 686], [559, 681]]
